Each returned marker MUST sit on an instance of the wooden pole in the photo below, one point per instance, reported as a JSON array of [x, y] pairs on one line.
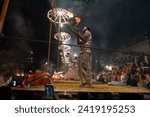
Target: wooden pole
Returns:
[[3, 14], [58, 53], [50, 34]]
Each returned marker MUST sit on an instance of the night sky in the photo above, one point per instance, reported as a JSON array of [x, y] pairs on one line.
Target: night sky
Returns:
[[114, 23]]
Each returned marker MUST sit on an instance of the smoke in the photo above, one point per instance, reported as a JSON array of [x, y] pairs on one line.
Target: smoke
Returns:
[[110, 20], [20, 19], [93, 13], [22, 25], [113, 22], [74, 6], [13, 52]]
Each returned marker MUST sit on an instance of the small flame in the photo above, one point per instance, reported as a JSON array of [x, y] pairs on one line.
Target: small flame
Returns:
[[77, 20]]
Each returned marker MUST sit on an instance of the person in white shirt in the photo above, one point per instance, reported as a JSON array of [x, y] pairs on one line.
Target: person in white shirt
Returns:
[[3, 82]]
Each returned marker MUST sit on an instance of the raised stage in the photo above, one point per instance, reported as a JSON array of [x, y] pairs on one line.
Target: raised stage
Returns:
[[74, 87]]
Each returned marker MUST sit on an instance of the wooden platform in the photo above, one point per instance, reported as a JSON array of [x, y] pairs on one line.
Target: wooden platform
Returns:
[[74, 87]]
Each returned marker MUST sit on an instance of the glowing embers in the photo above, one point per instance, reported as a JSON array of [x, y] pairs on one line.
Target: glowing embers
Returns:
[[64, 47], [58, 76], [62, 36], [77, 20], [59, 15]]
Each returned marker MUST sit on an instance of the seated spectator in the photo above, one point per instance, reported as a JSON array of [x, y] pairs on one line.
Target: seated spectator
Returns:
[[132, 79], [122, 82], [147, 75], [5, 91]]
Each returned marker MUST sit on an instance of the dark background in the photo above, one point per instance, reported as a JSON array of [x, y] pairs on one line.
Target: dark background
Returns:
[[114, 24]]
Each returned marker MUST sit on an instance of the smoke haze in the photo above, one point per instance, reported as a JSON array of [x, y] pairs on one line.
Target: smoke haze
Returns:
[[113, 23]]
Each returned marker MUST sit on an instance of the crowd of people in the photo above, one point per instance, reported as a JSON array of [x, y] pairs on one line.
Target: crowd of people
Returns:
[[129, 74]]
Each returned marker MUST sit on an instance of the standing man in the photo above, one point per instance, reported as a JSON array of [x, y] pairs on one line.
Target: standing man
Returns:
[[84, 63]]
